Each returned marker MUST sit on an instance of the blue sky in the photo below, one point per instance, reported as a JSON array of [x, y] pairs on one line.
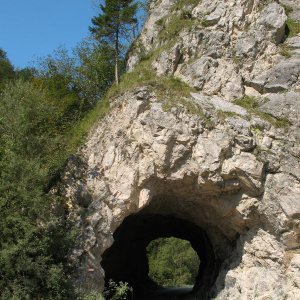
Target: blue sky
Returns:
[[34, 28]]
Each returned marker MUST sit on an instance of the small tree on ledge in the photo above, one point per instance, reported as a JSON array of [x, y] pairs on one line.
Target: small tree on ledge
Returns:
[[114, 25]]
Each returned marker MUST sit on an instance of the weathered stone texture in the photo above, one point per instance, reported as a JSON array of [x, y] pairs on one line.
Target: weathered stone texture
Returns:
[[140, 152], [230, 170]]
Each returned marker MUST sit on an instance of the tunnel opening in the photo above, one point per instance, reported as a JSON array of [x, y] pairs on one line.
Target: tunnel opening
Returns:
[[126, 260]]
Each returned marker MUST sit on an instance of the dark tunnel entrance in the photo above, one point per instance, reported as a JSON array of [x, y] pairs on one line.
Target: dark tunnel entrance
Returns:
[[126, 260]]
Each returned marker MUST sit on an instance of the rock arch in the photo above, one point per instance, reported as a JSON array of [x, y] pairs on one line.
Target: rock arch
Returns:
[[142, 161], [126, 259]]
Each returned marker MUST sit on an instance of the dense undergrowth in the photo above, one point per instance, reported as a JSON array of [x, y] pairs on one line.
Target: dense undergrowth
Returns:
[[45, 115], [172, 262]]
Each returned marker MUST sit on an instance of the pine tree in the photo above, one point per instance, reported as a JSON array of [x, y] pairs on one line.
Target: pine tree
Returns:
[[114, 25]]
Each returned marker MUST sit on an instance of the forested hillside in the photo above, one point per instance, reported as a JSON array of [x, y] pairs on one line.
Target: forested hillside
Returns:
[[44, 117], [46, 111]]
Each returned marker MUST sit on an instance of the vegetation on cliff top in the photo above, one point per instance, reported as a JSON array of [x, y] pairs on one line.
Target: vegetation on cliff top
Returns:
[[252, 105], [115, 24]]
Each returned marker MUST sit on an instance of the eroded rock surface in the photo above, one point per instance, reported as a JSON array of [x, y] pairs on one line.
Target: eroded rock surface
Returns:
[[232, 171], [211, 177]]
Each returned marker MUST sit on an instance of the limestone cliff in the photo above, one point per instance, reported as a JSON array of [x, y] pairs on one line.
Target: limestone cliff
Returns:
[[205, 130]]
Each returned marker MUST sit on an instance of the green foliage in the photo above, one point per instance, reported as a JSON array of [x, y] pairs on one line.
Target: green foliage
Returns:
[[293, 27], [113, 21], [9, 73], [45, 115], [94, 72], [170, 91], [172, 262], [182, 4], [77, 133], [174, 25], [288, 9], [118, 291], [6, 69], [82, 78], [34, 240], [114, 24], [44, 118], [93, 296], [251, 104], [26, 74], [179, 21], [285, 51]]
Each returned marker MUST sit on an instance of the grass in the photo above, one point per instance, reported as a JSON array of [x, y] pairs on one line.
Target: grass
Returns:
[[182, 20], [285, 51], [256, 130], [169, 90], [172, 100], [223, 115], [68, 143], [237, 60], [173, 26], [252, 106], [250, 103], [288, 9], [293, 27], [161, 22], [79, 132], [205, 23], [181, 4]]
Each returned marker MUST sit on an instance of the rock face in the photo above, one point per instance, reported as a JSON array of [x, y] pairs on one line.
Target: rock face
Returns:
[[230, 174]]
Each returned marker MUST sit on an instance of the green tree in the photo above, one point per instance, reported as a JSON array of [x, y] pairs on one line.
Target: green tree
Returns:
[[83, 76], [34, 241], [6, 69], [94, 72], [26, 74], [114, 25], [172, 262]]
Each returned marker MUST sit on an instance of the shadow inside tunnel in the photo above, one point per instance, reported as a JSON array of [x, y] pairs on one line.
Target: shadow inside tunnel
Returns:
[[163, 293]]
